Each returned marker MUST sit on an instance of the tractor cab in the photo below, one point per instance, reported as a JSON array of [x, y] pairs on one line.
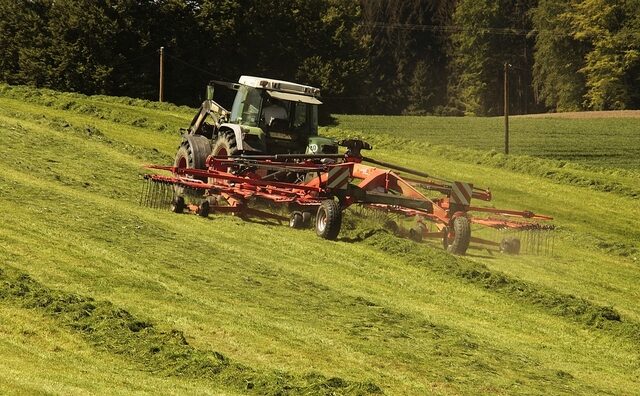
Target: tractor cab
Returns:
[[267, 117], [285, 113]]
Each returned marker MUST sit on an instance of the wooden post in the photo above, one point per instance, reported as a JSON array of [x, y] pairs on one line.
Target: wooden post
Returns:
[[506, 107], [161, 98]]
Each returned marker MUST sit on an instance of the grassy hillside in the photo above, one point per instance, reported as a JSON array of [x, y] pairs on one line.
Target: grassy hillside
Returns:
[[100, 295]]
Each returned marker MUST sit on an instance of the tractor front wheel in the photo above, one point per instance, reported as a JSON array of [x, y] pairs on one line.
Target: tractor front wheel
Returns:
[[462, 236], [329, 219], [193, 153]]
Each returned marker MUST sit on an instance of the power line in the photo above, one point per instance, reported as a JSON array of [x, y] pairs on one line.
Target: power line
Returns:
[[129, 61], [450, 29], [507, 31], [205, 71]]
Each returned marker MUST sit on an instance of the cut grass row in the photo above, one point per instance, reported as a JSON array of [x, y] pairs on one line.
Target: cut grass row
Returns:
[[159, 351]]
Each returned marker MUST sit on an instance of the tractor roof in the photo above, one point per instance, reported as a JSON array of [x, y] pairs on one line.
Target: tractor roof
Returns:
[[279, 86]]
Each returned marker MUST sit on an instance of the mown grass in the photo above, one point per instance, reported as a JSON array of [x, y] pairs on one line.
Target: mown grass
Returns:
[[296, 313]]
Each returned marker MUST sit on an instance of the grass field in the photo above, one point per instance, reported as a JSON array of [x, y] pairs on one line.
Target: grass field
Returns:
[[600, 141], [99, 295]]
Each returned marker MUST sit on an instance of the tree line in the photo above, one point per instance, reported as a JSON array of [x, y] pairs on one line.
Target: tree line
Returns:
[[368, 56]]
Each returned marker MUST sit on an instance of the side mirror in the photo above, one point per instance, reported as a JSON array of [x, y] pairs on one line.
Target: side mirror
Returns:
[[210, 90]]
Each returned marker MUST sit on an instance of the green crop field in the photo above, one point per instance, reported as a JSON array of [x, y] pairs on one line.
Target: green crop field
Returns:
[[600, 141], [99, 295]]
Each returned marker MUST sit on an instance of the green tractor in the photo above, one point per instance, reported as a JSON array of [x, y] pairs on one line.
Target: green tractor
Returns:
[[267, 117]]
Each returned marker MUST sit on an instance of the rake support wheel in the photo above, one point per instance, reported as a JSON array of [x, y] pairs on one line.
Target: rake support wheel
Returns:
[[510, 245], [329, 219], [204, 209], [296, 220], [462, 236], [178, 205]]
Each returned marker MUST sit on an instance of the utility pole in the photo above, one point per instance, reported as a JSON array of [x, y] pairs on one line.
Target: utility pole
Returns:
[[161, 98], [506, 107]]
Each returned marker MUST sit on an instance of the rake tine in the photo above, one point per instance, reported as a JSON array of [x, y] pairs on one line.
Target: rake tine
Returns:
[[145, 192], [168, 197], [152, 196], [144, 181], [160, 195], [145, 197], [546, 242], [165, 194], [538, 242], [155, 195]]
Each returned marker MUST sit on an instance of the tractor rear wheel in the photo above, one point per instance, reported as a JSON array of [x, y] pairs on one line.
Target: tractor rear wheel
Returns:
[[224, 145], [462, 236], [328, 219]]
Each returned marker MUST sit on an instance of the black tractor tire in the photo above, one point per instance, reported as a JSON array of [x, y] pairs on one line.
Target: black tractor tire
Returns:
[[392, 226], [193, 153], [328, 220], [225, 144], [510, 245], [462, 236], [415, 235]]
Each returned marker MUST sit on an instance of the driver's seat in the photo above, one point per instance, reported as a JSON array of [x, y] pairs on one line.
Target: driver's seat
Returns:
[[278, 125]]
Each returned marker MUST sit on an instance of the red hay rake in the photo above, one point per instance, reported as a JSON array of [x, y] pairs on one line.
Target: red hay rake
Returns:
[[321, 187]]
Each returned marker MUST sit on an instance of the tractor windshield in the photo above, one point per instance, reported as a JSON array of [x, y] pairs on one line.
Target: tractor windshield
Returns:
[[305, 118], [246, 106], [291, 115]]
